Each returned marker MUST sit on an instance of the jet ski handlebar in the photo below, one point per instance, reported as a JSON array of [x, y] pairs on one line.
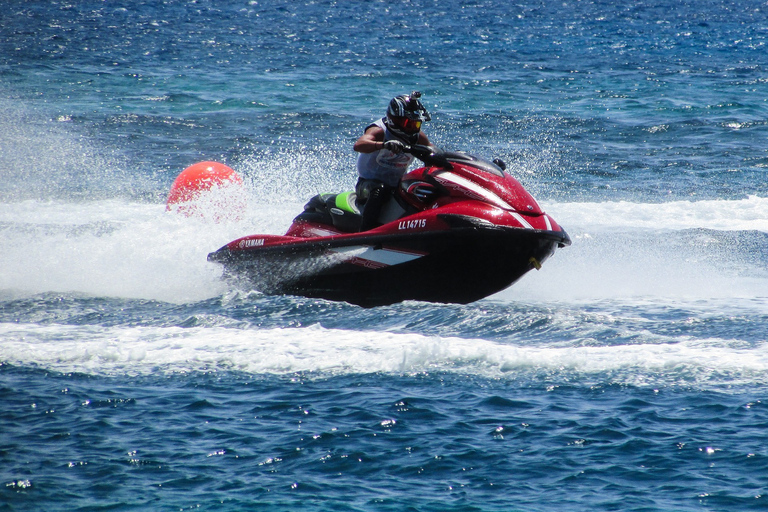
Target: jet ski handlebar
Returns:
[[430, 155]]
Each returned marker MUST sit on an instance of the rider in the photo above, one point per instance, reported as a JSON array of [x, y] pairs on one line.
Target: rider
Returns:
[[382, 160]]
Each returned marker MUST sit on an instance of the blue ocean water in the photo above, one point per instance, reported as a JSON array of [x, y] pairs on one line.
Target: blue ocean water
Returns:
[[630, 373]]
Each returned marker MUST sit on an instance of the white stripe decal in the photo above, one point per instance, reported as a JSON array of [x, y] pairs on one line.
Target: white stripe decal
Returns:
[[486, 194], [549, 224], [321, 232], [519, 218], [382, 256], [474, 187]]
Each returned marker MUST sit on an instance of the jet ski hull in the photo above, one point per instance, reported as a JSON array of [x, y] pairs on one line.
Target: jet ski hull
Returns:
[[459, 265]]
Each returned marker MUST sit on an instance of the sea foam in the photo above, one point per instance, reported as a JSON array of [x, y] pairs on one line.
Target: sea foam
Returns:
[[317, 352]]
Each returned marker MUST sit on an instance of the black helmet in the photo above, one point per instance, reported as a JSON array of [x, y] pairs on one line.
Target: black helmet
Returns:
[[405, 114]]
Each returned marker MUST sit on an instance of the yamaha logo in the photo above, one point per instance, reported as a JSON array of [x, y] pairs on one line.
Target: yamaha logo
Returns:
[[251, 242]]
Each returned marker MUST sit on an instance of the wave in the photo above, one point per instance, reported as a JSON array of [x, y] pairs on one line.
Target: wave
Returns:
[[318, 352], [684, 249], [115, 248], [749, 213], [118, 248]]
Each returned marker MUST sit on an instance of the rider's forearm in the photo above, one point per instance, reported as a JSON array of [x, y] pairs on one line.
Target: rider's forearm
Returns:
[[368, 146]]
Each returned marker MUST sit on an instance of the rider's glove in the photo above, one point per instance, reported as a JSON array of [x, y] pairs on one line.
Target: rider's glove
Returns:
[[394, 146]]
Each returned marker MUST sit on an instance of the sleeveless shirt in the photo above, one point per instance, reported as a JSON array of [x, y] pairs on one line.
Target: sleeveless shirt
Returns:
[[383, 164]]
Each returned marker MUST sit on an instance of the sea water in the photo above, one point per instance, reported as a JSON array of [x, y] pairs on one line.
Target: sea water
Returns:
[[630, 373]]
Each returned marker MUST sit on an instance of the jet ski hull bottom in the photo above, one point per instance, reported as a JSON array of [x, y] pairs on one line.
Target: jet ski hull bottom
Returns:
[[459, 265]]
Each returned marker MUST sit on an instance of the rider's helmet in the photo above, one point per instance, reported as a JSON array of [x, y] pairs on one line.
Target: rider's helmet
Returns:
[[405, 115]]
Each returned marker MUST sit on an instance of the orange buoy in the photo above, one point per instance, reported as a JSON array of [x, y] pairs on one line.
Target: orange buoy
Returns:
[[213, 179]]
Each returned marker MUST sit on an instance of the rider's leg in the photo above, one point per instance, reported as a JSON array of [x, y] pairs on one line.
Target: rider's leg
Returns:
[[371, 195]]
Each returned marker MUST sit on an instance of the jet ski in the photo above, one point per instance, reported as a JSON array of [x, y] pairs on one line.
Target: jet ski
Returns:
[[456, 230]]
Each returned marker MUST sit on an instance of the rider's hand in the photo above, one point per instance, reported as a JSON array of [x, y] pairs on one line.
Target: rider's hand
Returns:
[[394, 146]]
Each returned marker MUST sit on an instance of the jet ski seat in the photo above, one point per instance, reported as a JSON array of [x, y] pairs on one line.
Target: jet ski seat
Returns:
[[338, 210]]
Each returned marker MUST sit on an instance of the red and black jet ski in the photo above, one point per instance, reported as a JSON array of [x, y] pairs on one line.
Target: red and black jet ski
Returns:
[[457, 230]]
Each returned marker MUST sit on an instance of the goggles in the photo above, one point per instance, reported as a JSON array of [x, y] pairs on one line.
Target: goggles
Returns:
[[407, 125]]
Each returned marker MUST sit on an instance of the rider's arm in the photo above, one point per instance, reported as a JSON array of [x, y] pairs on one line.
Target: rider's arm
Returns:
[[372, 140]]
